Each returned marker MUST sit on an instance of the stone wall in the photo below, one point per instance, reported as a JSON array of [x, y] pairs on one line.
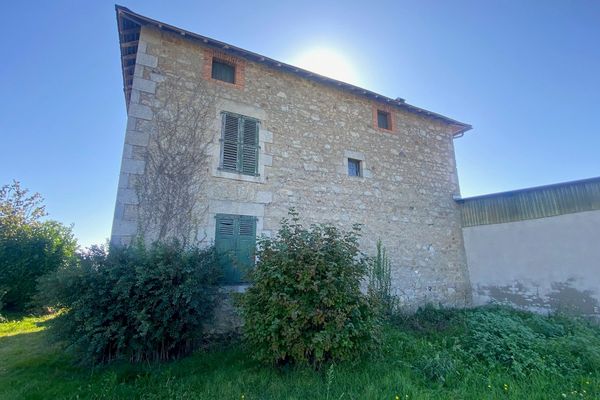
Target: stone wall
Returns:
[[307, 132]]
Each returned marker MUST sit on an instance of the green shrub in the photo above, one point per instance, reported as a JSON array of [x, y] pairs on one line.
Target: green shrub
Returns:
[[306, 305], [134, 303], [548, 327], [439, 367], [29, 247], [2, 293], [577, 348], [579, 352], [501, 339], [431, 320], [524, 343]]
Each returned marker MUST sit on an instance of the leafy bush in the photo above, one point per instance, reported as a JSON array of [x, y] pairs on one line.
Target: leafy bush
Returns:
[[439, 367], [549, 327], [306, 305], [499, 339], [134, 303], [430, 319], [579, 352], [2, 293], [503, 339], [29, 248], [575, 344]]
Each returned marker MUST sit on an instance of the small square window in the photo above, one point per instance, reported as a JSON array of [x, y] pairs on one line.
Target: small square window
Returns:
[[223, 71], [354, 167], [384, 120]]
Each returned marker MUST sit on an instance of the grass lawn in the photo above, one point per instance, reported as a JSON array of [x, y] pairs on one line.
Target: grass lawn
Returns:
[[416, 362]]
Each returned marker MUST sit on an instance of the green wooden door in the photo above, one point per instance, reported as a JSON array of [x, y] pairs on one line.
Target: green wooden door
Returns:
[[235, 242]]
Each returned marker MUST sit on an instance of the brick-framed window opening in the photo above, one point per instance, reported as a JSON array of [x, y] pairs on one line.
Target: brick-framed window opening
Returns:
[[383, 118], [239, 144], [223, 71], [354, 167], [223, 68]]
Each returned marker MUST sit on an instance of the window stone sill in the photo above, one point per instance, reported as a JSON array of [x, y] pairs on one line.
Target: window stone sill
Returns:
[[219, 173]]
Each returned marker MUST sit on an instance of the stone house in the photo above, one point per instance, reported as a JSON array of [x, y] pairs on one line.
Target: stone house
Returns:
[[286, 137]]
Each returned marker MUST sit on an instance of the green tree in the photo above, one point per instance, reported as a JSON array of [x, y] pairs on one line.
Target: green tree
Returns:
[[29, 246]]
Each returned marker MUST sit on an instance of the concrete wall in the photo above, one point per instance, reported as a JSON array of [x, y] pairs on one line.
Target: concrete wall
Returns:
[[307, 132], [543, 264]]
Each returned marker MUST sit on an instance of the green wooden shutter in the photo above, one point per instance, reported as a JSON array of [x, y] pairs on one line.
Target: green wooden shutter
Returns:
[[240, 144], [230, 149], [225, 245], [249, 164], [246, 246], [235, 243]]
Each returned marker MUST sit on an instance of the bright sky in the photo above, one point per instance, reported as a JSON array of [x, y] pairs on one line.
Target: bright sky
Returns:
[[525, 74], [327, 61]]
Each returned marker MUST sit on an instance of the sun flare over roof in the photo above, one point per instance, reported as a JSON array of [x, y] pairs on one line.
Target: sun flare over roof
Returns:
[[328, 62]]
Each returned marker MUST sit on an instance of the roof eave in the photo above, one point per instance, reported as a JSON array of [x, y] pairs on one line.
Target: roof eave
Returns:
[[593, 180], [459, 128]]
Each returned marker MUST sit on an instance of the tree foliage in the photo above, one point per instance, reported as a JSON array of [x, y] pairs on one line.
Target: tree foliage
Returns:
[[29, 247], [18, 208]]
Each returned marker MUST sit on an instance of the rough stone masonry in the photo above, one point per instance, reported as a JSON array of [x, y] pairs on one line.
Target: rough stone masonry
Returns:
[[308, 131]]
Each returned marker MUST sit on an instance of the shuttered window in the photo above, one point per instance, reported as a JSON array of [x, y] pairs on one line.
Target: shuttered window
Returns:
[[239, 150], [235, 243], [223, 71]]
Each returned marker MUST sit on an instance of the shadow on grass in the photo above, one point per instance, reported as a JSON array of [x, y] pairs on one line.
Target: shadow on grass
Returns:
[[23, 345]]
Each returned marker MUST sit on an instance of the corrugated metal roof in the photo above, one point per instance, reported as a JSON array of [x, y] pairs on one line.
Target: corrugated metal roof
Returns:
[[127, 19], [531, 203]]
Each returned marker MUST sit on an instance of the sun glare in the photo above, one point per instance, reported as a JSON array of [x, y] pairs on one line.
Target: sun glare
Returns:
[[327, 62]]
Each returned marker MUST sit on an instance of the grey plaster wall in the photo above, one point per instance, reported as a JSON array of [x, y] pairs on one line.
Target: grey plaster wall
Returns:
[[543, 264]]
